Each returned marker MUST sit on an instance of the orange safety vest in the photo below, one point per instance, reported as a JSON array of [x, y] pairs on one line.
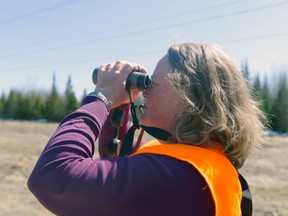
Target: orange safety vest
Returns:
[[213, 165]]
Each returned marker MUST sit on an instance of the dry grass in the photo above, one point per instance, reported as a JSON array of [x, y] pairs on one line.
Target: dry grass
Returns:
[[266, 173], [22, 142]]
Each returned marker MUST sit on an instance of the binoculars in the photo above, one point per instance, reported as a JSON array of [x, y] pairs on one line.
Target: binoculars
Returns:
[[136, 79]]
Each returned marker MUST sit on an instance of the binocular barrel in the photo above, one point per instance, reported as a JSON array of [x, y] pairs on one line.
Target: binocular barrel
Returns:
[[95, 76], [135, 80]]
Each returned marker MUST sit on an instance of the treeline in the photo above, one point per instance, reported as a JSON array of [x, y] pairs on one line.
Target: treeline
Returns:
[[272, 94], [52, 106], [274, 100], [39, 106]]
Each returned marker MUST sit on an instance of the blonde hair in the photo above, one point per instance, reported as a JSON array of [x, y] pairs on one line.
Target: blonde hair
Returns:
[[216, 101]]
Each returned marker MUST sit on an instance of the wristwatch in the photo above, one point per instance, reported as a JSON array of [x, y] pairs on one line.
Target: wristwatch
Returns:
[[99, 95]]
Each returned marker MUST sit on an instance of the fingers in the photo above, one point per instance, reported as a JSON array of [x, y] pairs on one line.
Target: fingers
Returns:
[[118, 66], [112, 80], [123, 67], [143, 69], [109, 66], [106, 67]]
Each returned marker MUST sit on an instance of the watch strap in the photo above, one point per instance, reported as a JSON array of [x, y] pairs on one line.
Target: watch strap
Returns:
[[100, 96]]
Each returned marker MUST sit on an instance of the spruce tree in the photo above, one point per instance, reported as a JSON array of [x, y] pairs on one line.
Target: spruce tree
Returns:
[[283, 103], [10, 105], [84, 94], [35, 105], [2, 102], [70, 98], [245, 69], [55, 105], [267, 100], [256, 88], [280, 107], [21, 106]]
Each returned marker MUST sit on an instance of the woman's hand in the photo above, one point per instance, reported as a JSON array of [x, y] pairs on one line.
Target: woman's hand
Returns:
[[112, 79]]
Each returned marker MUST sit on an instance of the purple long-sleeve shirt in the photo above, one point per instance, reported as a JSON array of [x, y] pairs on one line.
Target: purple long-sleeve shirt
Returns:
[[68, 181]]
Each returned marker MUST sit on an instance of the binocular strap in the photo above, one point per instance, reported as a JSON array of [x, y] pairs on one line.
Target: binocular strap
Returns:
[[153, 131]]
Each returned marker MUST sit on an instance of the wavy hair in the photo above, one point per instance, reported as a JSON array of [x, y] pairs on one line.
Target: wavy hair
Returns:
[[216, 103]]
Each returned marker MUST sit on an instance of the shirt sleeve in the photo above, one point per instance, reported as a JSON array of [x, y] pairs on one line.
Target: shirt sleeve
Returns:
[[68, 157], [68, 181]]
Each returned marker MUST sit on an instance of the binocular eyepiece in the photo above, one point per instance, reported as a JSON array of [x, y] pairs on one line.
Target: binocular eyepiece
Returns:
[[136, 79]]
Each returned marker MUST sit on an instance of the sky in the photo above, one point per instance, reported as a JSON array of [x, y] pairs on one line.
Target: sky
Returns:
[[71, 37]]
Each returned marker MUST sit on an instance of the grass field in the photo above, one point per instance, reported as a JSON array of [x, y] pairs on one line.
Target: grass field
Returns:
[[22, 142]]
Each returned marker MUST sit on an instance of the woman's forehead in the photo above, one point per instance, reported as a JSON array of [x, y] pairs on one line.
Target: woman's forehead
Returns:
[[162, 68]]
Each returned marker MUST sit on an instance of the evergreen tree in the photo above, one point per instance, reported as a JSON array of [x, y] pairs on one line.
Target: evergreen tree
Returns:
[[2, 102], [280, 107], [71, 100], [256, 88], [21, 106], [35, 106], [267, 100], [84, 94], [245, 69], [10, 105], [39, 107], [55, 105]]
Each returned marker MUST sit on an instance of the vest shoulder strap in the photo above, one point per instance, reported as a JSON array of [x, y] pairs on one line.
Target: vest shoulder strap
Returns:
[[246, 203]]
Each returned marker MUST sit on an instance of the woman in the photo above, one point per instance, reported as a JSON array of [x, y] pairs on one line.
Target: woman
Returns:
[[200, 97]]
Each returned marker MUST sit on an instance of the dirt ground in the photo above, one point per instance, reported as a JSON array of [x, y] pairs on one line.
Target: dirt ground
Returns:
[[22, 142]]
